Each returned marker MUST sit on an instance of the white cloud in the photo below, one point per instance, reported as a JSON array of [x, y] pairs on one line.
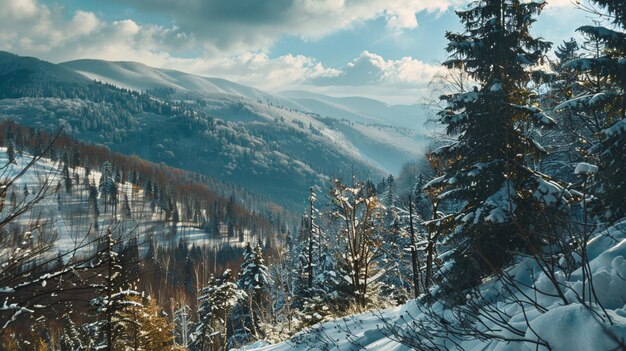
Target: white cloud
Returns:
[[373, 69], [84, 23], [33, 28], [256, 69], [241, 25], [29, 27]]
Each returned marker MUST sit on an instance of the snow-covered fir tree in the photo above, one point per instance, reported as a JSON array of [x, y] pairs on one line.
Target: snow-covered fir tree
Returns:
[[182, 321], [72, 336], [253, 279], [565, 142], [606, 107], [487, 170], [107, 185], [313, 276], [114, 296], [216, 302]]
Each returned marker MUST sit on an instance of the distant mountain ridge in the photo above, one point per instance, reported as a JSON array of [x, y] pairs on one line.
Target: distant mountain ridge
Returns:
[[267, 143], [138, 76], [17, 72], [361, 109]]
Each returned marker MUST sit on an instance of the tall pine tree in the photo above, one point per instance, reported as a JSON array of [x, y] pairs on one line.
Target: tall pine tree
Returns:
[[486, 173]]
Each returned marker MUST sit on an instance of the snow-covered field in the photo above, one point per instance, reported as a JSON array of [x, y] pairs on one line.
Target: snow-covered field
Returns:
[[564, 327]]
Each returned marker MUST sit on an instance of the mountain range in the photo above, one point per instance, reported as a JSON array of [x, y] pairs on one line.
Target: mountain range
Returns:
[[276, 144]]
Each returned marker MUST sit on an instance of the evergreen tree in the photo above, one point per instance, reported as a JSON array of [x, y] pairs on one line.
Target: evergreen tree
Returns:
[[75, 159], [486, 171], [216, 302], [566, 82], [113, 298], [10, 153], [189, 275], [254, 281], [71, 338], [231, 229], [67, 179], [107, 185], [390, 196], [93, 204], [19, 141], [312, 242], [565, 142], [607, 105], [421, 204], [126, 212], [182, 321], [215, 221], [241, 236]]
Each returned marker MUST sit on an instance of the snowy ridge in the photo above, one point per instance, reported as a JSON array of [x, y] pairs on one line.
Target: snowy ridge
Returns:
[[586, 325], [137, 76], [385, 136], [38, 71], [360, 109]]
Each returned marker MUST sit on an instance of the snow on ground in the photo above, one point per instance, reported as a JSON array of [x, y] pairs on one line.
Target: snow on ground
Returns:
[[565, 327], [67, 215]]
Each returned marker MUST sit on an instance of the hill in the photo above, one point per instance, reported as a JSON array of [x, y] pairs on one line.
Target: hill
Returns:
[[236, 102], [360, 109], [267, 147], [86, 189]]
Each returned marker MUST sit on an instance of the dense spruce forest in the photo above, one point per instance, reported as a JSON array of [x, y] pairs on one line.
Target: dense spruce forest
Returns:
[[139, 221]]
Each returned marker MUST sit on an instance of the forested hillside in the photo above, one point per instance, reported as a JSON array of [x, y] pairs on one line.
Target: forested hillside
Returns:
[[71, 209], [256, 140]]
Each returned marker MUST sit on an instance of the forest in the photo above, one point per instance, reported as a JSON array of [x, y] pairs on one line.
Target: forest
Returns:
[[509, 235]]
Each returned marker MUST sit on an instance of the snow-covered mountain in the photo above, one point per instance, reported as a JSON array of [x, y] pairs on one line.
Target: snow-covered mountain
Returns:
[[384, 135], [137, 76], [360, 109], [272, 144]]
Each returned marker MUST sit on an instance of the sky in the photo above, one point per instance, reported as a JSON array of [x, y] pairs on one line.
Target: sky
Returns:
[[385, 49]]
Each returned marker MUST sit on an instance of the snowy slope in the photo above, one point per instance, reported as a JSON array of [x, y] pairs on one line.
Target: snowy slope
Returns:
[[383, 148], [137, 76], [67, 214], [360, 109], [564, 327]]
